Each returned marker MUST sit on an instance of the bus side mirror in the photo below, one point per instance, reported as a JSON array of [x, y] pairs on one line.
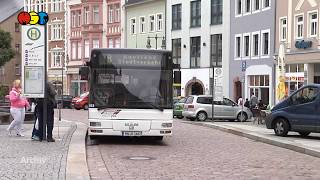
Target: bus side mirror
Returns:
[[84, 72]]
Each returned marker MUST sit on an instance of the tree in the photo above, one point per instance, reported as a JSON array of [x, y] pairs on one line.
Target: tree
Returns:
[[6, 51]]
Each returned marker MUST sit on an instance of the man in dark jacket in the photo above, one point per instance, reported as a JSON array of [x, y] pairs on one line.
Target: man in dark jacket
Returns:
[[50, 113]]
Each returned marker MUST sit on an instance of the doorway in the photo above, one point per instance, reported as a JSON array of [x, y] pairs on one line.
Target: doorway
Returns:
[[196, 89]]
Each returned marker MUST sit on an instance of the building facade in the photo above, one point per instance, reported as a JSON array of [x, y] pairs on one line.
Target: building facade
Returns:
[[198, 35], [143, 19], [85, 33], [56, 38], [297, 27], [113, 23], [8, 22], [252, 49]]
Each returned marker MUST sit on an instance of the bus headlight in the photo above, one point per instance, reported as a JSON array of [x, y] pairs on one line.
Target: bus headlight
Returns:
[[166, 125], [95, 123]]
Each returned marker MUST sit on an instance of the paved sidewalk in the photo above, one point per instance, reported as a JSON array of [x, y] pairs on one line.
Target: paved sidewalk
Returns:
[[22, 158], [308, 145]]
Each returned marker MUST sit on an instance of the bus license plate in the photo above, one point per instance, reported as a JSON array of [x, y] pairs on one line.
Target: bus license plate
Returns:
[[131, 133]]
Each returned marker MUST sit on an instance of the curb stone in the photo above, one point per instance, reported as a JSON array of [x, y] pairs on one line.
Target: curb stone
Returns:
[[77, 168], [260, 138]]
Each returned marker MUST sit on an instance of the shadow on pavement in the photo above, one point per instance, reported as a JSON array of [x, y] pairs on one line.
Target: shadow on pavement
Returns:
[[117, 140]]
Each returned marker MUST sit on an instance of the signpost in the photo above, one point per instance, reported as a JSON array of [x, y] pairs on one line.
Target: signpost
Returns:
[[34, 58]]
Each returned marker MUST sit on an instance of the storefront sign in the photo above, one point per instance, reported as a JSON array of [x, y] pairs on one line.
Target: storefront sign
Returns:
[[300, 79], [33, 57], [302, 44]]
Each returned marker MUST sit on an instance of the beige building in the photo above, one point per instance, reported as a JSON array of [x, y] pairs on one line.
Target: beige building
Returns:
[[297, 27], [8, 22]]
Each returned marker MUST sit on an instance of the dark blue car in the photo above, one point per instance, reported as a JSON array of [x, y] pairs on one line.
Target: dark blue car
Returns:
[[300, 112]]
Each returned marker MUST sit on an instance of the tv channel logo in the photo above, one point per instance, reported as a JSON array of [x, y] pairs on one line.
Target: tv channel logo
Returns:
[[33, 18]]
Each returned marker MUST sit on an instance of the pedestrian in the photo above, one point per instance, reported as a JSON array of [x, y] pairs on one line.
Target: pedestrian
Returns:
[[35, 132], [240, 101], [247, 103], [253, 101], [51, 93], [18, 105], [261, 106]]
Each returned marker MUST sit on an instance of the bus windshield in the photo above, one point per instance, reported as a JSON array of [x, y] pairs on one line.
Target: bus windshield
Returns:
[[138, 87]]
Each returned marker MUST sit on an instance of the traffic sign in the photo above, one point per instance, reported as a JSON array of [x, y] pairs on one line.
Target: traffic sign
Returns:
[[243, 66]]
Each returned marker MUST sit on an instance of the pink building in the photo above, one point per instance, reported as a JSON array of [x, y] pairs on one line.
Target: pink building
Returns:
[[86, 32], [113, 32]]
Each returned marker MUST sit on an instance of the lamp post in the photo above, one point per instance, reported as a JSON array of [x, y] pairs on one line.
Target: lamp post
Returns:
[[156, 37]]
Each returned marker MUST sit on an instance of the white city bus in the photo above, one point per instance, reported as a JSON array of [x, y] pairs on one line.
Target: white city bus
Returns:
[[130, 92]]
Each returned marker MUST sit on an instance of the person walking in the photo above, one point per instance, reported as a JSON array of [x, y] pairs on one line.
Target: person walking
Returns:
[[253, 101], [50, 113], [247, 103], [240, 101], [18, 105]]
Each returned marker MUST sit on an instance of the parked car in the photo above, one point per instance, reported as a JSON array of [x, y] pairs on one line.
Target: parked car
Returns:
[[81, 102], [67, 100], [200, 108], [300, 112], [178, 108]]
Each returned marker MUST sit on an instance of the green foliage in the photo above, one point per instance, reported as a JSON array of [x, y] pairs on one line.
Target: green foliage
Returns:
[[3, 91], [6, 51]]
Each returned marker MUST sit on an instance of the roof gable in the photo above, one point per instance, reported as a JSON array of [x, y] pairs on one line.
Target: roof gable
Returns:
[[9, 8], [313, 3]]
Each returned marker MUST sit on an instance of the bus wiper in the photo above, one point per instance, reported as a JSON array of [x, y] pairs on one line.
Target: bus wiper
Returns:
[[154, 106]]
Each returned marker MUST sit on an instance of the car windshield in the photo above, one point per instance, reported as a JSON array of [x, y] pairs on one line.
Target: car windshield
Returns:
[[183, 100], [83, 95]]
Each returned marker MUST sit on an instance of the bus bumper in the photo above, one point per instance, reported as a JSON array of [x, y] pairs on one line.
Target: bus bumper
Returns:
[[111, 132]]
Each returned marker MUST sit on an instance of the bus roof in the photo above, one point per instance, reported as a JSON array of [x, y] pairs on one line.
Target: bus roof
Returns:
[[122, 50]]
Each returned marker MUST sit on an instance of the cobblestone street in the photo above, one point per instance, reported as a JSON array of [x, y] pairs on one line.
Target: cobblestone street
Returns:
[[21, 158], [195, 152]]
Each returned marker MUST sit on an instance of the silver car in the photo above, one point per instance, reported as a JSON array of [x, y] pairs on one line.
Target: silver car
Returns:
[[200, 108]]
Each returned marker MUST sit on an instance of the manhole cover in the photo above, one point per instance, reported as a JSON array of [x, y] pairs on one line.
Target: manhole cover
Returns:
[[140, 158]]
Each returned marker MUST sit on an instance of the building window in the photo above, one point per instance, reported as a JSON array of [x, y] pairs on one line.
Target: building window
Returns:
[[247, 6], [299, 28], [56, 6], [111, 17], [216, 50], [17, 70], [117, 43], [56, 32], [255, 45], [176, 17], [79, 50], [266, 3], [195, 52], [259, 80], [95, 12], [79, 19], [16, 27], [246, 46], [110, 42], [74, 50], [283, 29], [176, 51], [117, 13], [86, 49], [195, 13], [265, 43], [86, 15], [133, 25], [73, 19], [142, 24], [95, 43], [17, 48], [238, 46], [256, 5], [216, 11], [313, 24], [238, 7], [152, 23], [56, 59], [159, 22]]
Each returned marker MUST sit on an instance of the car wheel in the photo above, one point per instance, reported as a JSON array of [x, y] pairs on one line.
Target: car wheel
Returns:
[[180, 117], [86, 107], [304, 134], [243, 117], [202, 116], [281, 127]]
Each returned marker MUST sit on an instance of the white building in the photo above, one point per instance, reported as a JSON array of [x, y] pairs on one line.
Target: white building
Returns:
[[198, 34]]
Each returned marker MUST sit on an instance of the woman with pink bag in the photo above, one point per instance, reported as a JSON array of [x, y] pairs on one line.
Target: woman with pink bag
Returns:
[[18, 106]]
